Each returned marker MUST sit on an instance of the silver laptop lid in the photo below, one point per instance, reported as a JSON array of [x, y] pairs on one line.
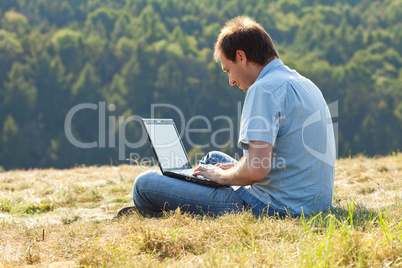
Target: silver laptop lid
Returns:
[[166, 143]]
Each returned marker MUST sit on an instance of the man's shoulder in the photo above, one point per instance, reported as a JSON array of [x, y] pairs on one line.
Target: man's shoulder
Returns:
[[277, 77]]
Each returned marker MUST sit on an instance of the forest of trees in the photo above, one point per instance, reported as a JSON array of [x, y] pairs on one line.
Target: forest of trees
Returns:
[[126, 55]]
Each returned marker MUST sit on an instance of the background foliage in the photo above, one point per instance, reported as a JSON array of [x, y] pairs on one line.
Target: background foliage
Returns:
[[55, 55]]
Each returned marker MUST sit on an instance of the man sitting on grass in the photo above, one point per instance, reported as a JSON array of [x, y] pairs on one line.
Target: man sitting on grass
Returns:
[[286, 134]]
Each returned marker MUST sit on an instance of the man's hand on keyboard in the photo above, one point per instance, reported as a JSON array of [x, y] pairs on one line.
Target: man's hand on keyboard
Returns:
[[225, 165], [211, 172]]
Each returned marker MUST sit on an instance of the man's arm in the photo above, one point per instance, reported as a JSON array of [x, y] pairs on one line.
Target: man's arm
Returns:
[[252, 168]]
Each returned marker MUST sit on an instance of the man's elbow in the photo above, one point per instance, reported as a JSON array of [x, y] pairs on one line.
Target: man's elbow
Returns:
[[258, 175]]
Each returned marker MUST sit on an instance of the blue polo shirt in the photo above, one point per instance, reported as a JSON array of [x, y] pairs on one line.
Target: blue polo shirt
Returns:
[[288, 111]]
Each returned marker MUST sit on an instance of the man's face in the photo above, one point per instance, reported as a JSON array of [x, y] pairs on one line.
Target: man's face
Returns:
[[237, 72]]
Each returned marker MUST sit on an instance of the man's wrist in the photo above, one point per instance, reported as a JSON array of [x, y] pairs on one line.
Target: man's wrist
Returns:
[[228, 177]]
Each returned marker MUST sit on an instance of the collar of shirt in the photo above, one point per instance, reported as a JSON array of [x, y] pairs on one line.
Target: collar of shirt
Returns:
[[273, 64]]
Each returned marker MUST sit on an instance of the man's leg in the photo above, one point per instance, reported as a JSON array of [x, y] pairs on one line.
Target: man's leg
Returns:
[[216, 157], [154, 192]]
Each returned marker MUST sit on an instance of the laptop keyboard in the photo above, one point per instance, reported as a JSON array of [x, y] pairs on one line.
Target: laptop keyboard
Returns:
[[189, 172]]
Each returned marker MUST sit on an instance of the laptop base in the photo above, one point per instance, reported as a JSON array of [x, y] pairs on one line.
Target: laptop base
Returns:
[[194, 180]]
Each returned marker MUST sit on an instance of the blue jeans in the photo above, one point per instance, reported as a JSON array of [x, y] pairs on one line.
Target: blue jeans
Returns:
[[154, 193]]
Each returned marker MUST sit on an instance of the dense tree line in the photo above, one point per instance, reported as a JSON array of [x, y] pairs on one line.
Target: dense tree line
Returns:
[[123, 56]]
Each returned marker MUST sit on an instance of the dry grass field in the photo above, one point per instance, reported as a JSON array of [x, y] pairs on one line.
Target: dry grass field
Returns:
[[63, 218]]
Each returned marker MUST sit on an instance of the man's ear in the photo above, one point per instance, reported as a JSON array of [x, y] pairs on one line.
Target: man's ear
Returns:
[[241, 56]]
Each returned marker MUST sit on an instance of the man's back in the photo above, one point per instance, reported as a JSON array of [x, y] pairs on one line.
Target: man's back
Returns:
[[288, 111]]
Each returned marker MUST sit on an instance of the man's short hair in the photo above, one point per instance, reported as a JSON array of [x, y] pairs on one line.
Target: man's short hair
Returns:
[[243, 33]]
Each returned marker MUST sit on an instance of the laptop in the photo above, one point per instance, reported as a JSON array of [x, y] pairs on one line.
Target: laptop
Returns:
[[170, 153]]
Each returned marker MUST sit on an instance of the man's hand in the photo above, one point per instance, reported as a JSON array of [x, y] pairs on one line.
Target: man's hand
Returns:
[[225, 166], [211, 172], [252, 168]]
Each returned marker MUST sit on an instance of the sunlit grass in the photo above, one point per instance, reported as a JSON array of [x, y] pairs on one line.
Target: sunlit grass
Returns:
[[63, 217]]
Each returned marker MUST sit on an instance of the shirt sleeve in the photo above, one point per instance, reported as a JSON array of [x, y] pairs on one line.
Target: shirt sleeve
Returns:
[[260, 117]]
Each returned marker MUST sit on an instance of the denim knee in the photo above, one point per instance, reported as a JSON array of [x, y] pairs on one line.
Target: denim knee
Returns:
[[143, 184], [215, 157], [144, 179]]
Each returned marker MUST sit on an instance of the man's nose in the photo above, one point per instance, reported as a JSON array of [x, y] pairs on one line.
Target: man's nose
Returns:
[[231, 82]]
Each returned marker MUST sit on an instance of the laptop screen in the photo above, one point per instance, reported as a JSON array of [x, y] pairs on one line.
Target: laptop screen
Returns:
[[166, 144]]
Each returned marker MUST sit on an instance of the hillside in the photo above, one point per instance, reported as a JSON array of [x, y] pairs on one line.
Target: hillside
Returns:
[[115, 60], [62, 218]]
